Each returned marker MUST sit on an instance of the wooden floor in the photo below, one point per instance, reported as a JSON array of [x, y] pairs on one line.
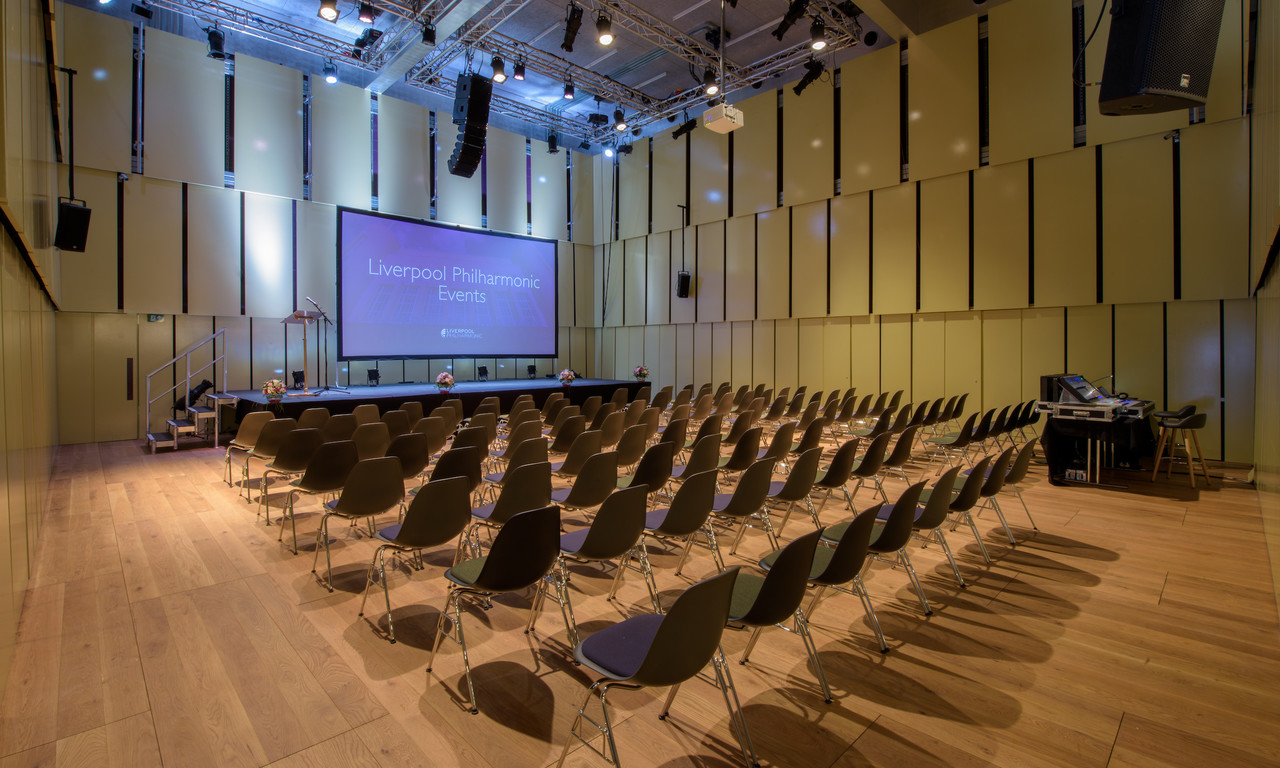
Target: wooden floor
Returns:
[[165, 626]]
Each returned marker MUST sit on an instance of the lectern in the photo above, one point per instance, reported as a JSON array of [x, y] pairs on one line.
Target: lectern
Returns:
[[304, 318]]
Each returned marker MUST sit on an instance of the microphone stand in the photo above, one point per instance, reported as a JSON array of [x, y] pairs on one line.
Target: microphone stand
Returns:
[[327, 323]]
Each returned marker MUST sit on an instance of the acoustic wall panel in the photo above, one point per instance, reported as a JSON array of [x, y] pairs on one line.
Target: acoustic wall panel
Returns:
[[612, 280], [153, 246], [507, 187], [711, 272], [239, 375], [740, 268], [755, 155], [1137, 220], [183, 115], [1215, 210], [1000, 236], [963, 355], [582, 199], [638, 351], [928, 356], [893, 250], [1065, 227], [634, 282], [864, 353], [808, 148], [268, 126], [89, 278], [944, 243], [1104, 129], [850, 254], [633, 191], [742, 348], [1240, 322], [762, 353], [942, 96], [1226, 92], [100, 48], [341, 140], [548, 199], [457, 197], [566, 276], [895, 354], [666, 360], [1194, 366], [74, 353], [809, 259], [773, 269], [1139, 355], [621, 353], [156, 345], [267, 335], [318, 266], [1028, 41], [786, 356], [653, 354], [810, 348], [660, 290], [584, 289], [268, 256], [684, 256], [1043, 347], [685, 373], [1001, 359], [869, 121], [1089, 351], [404, 158], [835, 354], [669, 164], [708, 175], [703, 351]]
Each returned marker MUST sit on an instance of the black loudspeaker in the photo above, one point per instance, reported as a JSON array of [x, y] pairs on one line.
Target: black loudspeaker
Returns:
[[471, 114], [683, 282], [73, 226], [1159, 55]]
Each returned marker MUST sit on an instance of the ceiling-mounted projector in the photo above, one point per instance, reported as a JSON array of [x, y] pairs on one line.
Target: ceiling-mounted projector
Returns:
[[722, 118]]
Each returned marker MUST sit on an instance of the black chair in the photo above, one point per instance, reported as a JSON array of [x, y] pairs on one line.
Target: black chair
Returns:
[[891, 545], [526, 487], [686, 518], [291, 461], [374, 486], [326, 472], [747, 503]]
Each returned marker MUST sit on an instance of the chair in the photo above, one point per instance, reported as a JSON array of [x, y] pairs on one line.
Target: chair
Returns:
[[523, 552], [436, 516], [602, 413], [956, 445], [1170, 427], [339, 426], [488, 421], [776, 410], [591, 406], [448, 415], [414, 410], [654, 469], [365, 413], [246, 437], [838, 472], [326, 472], [313, 418], [471, 437], [631, 414], [527, 487], [563, 415], [266, 446], [702, 408], [747, 503], [551, 411], [686, 517], [683, 397], [598, 479], [397, 423], [744, 454], [531, 451], [528, 430], [631, 446], [868, 467], [898, 460], [779, 445], [932, 513], [459, 462], [882, 426], [374, 486], [649, 420], [710, 426], [653, 650], [770, 600], [620, 397], [662, 399], [811, 437], [992, 487], [675, 433], [797, 487], [644, 393], [434, 428], [894, 535], [296, 450], [570, 428], [372, 439], [550, 402], [413, 451], [962, 501], [585, 445], [1018, 473], [611, 429], [704, 457]]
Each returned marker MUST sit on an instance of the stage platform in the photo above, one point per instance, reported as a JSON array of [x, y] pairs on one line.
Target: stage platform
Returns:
[[389, 396]]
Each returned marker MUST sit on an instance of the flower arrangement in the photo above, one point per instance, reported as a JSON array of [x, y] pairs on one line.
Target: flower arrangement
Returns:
[[567, 377], [641, 373], [274, 389], [445, 381]]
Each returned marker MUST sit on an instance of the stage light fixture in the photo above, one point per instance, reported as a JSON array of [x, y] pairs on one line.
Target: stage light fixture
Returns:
[[794, 13], [328, 10], [142, 9], [217, 43], [368, 37], [709, 83], [429, 33], [374, 376], [367, 13], [813, 71], [553, 144], [619, 120], [330, 73], [573, 20], [104, 2], [685, 127], [608, 151], [519, 72], [625, 149], [532, 370], [298, 378], [482, 372], [604, 29], [568, 90], [499, 70], [584, 145], [817, 35], [597, 119]]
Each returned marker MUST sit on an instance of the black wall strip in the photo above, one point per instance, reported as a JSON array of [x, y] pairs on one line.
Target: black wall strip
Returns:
[[778, 199], [646, 282], [128, 378], [1077, 92], [729, 178], [917, 246], [1164, 355], [1031, 234], [984, 91], [573, 261], [1177, 218], [295, 254], [903, 131], [755, 267], [568, 191], [229, 129], [1066, 340], [829, 254], [373, 153], [120, 242], [1222, 377], [135, 101], [1097, 221], [185, 248], [484, 190], [528, 186], [1114, 384], [648, 145], [791, 232], [242, 260], [970, 240], [871, 254], [694, 293], [251, 352], [431, 157], [835, 160]]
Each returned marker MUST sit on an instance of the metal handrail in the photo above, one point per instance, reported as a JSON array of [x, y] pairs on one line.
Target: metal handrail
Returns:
[[185, 383]]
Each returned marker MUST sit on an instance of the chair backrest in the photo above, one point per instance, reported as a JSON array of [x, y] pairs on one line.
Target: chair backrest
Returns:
[[397, 422], [862, 410], [523, 551], [948, 410], [704, 456], [250, 427], [800, 481], [918, 415], [740, 398], [902, 518], [488, 421], [934, 512], [551, 411], [902, 449], [654, 469], [780, 445], [784, 585], [644, 393], [590, 406], [459, 462], [448, 415], [878, 408], [649, 420], [585, 445], [611, 428], [662, 399], [272, 437], [689, 633], [438, 513], [691, 506], [602, 413], [340, 426], [746, 452], [372, 439], [897, 398], [631, 416], [373, 487], [529, 451], [312, 418], [365, 413], [569, 431], [550, 402], [631, 446], [526, 430], [617, 525], [931, 417], [810, 413], [711, 426], [873, 459], [971, 490], [563, 414], [620, 397], [841, 467], [1001, 419], [703, 390], [753, 488], [1018, 471], [413, 408], [701, 407], [597, 479], [901, 419], [776, 410], [471, 437], [523, 488], [297, 449], [675, 432], [851, 550], [683, 397], [883, 422], [413, 450], [999, 469], [741, 425], [724, 403], [959, 409], [965, 435], [812, 437], [329, 466], [433, 428], [832, 408]]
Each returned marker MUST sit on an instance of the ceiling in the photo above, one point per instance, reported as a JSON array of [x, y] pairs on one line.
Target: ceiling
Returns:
[[653, 71]]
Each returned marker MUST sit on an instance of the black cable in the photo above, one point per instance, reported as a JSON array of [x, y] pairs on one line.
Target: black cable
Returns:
[[1089, 39]]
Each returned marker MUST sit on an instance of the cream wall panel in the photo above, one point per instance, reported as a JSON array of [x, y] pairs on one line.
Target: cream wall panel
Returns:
[[341, 138], [1000, 236], [684, 310], [808, 146], [786, 357], [508, 182], [653, 354], [703, 350], [1103, 129], [963, 354], [1065, 229], [685, 370], [638, 351], [1089, 341], [743, 347], [668, 182], [928, 356], [239, 375], [185, 332], [740, 268], [152, 246], [100, 48], [895, 354], [74, 348], [762, 353], [870, 156], [1139, 351], [893, 249], [404, 158], [89, 278], [613, 277], [773, 269], [268, 256], [582, 198], [566, 303], [184, 117], [115, 338], [633, 191], [464, 369], [708, 176], [808, 276], [317, 278], [666, 362], [607, 338], [1043, 347], [271, 350], [602, 210], [661, 287], [621, 353], [850, 254], [944, 243], [1226, 91], [634, 284], [810, 348], [1137, 221], [711, 272], [457, 198], [755, 155], [942, 96], [1195, 366], [155, 347], [584, 290], [1001, 359], [835, 353], [1239, 330], [864, 353], [564, 349], [1031, 113], [268, 126], [1215, 210], [548, 198], [420, 370]]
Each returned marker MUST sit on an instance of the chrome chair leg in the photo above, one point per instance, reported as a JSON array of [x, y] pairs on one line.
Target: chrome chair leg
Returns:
[[1025, 508], [461, 640], [322, 540], [725, 682], [870, 610], [905, 559], [802, 629]]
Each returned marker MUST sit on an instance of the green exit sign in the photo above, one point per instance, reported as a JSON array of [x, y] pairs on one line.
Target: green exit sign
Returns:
[[155, 318]]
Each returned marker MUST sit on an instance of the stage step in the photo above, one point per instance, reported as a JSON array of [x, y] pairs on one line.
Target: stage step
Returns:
[[161, 440]]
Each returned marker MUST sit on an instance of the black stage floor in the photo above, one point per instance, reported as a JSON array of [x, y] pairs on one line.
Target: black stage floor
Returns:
[[390, 396]]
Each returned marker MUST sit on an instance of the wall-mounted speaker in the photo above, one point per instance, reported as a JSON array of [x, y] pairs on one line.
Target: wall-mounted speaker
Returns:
[[73, 226], [1159, 55], [684, 281], [471, 113]]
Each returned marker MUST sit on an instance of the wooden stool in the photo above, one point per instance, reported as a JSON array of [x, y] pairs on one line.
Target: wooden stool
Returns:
[[1169, 429]]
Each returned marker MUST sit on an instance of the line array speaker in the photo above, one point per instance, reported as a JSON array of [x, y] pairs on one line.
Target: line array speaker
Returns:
[[1159, 55], [471, 115]]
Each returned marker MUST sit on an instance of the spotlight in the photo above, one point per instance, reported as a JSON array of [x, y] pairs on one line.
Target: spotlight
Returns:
[[367, 13], [568, 90], [104, 2], [604, 30], [571, 23], [584, 145], [619, 120], [499, 70], [870, 38], [794, 13], [519, 73], [625, 149], [217, 39], [368, 37], [635, 131], [685, 127], [328, 10], [813, 71], [429, 34], [374, 376], [597, 119], [553, 144], [482, 372], [709, 83], [142, 9], [608, 151], [330, 73], [817, 35]]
